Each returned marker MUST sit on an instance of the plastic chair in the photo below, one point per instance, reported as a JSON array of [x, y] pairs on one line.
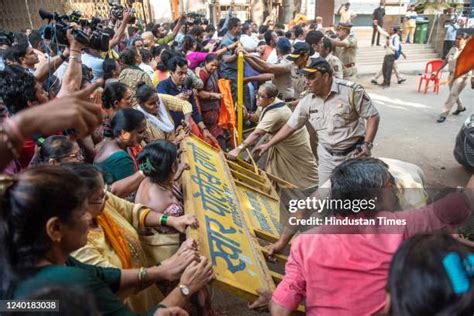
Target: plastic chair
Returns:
[[431, 67]]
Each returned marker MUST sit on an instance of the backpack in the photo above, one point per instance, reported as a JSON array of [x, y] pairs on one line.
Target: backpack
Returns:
[[464, 148], [399, 51]]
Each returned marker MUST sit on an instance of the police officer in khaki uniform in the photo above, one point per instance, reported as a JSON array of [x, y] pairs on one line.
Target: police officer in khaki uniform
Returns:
[[334, 108], [346, 50], [300, 56], [334, 62]]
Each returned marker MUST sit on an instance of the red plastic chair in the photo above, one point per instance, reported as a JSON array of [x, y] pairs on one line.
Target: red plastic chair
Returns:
[[431, 67]]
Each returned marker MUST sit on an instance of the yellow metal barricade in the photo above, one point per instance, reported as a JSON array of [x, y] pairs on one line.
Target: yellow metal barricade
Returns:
[[224, 235], [240, 97]]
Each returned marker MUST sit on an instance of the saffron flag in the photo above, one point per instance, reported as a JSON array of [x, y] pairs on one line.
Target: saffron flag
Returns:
[[465, 60]]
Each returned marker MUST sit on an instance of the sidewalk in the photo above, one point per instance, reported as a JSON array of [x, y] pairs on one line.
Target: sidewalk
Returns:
[[414, 68]]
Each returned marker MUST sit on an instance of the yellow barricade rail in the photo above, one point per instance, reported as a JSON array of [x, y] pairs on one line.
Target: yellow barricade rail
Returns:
[[236, 205], [226, 233]]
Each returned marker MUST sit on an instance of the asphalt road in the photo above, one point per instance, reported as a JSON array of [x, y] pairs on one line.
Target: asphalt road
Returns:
[[408, 129]]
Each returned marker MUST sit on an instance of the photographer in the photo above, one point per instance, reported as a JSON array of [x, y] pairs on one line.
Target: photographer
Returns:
[[92, 59], [117, 34], [72, 79]]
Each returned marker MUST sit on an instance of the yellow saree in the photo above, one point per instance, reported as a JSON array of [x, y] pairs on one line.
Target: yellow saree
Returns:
[[116, 243]]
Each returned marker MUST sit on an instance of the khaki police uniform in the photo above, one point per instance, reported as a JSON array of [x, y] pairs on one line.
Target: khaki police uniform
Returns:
[[337, 121], [347, 55], [284, 82], [336, 65], [455, 86]]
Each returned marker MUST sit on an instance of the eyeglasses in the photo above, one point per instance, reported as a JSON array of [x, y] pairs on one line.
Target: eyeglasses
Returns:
[[263, 96], [100, 200]]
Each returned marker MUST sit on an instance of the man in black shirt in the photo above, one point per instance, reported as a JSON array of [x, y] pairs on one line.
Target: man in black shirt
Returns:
[[378, 15]]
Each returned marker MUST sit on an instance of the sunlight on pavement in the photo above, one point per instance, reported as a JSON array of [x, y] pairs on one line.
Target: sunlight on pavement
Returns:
[[384, 100]]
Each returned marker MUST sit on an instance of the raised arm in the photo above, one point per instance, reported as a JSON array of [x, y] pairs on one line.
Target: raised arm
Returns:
[[118, 34], [263, 66], [72, 78], [178, 25], [44, 69]]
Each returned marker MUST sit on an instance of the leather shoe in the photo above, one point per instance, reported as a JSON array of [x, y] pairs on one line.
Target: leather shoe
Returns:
[[374, 81], [459, 111], [441, 119], [401, 80]]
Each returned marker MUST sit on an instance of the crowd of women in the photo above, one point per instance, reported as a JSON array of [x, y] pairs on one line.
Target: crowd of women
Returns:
[[91, 209]]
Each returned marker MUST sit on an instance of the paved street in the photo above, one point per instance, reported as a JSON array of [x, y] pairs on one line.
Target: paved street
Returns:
[[408, 129]]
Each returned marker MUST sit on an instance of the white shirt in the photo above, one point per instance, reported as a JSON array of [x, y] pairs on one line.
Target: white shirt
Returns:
[[249, 42], [273, 58], [394, 45]]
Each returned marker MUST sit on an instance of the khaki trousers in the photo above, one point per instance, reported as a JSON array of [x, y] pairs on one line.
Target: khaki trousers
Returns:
[[455, 89]]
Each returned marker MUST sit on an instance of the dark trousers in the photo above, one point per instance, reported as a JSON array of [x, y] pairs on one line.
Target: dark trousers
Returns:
[[387, 68], [446, 47], [375, 32]]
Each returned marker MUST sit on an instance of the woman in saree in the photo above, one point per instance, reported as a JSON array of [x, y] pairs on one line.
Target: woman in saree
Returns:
[[44, 219], [210, 98], [113, 157], [156, 107], [114, 235], [159, 190]]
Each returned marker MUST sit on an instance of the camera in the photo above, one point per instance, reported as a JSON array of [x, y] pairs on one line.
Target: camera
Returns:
[[57, 30], [6, 38], [193, 18], [117, 11]]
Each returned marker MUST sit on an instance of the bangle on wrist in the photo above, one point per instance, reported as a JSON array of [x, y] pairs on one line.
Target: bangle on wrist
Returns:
[[142, 274], [163, 220], [75, 58], [75, 50]]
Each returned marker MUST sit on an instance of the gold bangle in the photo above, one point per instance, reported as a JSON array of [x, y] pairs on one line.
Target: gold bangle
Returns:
[[142, 274], [143, 216]]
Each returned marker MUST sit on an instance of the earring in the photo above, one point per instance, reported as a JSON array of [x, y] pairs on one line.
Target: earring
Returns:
[[58, 240]]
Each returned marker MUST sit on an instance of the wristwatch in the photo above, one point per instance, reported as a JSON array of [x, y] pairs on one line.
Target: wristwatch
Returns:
[[184, 290]]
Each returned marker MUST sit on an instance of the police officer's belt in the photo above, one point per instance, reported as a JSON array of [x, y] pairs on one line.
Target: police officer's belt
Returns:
[[345, 152]]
